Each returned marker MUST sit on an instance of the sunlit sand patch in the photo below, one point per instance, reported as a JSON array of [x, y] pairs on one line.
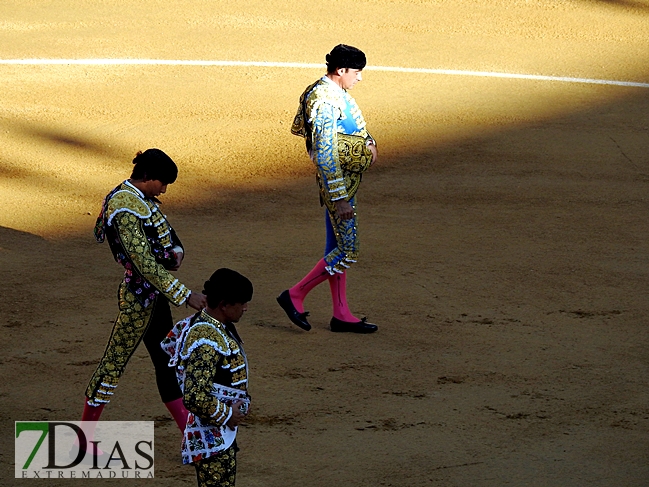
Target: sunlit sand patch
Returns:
[[67, 156], [68, 133]]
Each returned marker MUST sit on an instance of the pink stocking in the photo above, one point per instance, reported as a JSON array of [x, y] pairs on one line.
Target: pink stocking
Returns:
[[91, 413], [298, 292], [179, 412], [338, 286], [90, 416]]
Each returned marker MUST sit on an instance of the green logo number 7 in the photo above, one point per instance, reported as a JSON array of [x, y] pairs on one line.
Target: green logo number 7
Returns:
[[32, 426]]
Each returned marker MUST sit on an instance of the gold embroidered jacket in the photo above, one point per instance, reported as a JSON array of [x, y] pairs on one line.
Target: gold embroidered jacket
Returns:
[[212, 372], [142, 240]]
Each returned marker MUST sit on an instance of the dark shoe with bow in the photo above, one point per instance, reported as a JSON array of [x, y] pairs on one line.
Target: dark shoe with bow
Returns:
[[294, 315], [352, 326]]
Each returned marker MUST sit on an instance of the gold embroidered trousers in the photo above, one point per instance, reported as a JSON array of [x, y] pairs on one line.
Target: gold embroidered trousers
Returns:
[[342, 246], [134, 324], [219, 470]]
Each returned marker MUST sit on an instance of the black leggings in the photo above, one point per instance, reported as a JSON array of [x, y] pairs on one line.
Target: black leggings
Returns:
[[159, 326]]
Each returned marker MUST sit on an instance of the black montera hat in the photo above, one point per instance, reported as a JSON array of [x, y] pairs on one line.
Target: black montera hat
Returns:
[[344, 56]]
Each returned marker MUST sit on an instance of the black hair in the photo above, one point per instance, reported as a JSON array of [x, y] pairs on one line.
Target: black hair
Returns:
[[154, 164], [344, 56], [228, 286]]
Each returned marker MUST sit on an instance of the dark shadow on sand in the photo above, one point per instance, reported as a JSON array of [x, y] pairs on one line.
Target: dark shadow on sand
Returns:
[[635, 6]]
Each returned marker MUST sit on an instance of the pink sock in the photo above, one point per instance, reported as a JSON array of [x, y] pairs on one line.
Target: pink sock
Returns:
[[338, 286], [179, 412], [298, 292], [91, 413], [90, 416]]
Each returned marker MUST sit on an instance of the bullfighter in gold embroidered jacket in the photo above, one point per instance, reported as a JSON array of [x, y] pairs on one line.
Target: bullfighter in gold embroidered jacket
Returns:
[[212, 369], [144, 243]]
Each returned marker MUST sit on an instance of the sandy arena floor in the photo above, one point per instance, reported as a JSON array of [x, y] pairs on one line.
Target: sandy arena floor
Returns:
[[504, 231]]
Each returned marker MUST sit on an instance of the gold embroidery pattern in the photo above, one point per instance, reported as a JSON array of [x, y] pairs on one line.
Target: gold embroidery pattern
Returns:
[[130, 325], [353, 153], [208, 357], [125, 201], [217, 471], [199, 377], [202, 332], [325, 156], [161, 225], [139, 251], [205, 348], [348, 245], [339, 157]]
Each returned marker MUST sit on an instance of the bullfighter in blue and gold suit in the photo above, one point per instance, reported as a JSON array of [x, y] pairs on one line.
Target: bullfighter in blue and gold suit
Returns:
[[144, 243], [342, 149]]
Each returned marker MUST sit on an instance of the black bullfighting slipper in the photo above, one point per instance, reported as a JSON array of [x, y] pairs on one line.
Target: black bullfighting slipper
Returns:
[[352, 326], [299, 319]]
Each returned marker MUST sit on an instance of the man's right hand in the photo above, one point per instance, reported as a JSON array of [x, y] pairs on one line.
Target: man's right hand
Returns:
[[375, 153], [197, 301], [344, 210]]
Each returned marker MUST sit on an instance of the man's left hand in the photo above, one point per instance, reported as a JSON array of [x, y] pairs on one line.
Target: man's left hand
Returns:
[[237, 415]]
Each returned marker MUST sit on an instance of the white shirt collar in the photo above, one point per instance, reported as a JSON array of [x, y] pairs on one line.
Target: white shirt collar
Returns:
[[333, 83], [131, 185]]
